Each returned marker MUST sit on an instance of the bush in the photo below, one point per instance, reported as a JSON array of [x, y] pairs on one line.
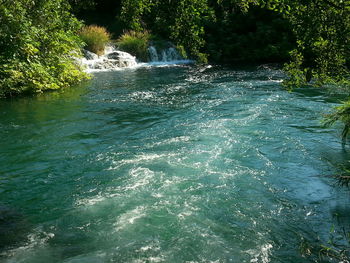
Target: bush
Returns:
[[182, 51], [95, 38], [38, 43], [135, 43], [202, 58]]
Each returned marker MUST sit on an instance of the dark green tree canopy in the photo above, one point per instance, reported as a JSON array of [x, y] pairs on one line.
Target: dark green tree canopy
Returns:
[[320, 27]]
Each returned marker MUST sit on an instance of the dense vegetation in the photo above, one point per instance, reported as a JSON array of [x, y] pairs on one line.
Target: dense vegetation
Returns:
[[223, 31], [313, 33], [230, 31], [38, 40], [258, 36], [322, 30]]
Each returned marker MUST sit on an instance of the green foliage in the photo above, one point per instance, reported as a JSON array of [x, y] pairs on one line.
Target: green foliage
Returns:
[[95, 38], [180, 21], [321, 57], [342, 114], [296, 76], [132, 12], [187, 29], [226, 31], [135, 43], [256, 35], [232, 31], [182, 51], [99, 12], [79, 5], [202, 58], [322, 29], [37, 44], [221, 29], [332, 251]]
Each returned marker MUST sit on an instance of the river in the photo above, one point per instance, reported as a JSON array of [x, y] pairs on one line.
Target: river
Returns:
[[170, 164]]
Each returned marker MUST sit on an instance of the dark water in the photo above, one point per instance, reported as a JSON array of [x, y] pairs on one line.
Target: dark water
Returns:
[[170, 165]]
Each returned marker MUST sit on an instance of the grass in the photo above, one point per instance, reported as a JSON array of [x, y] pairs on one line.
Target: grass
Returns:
[[135, 43], [95, 38]]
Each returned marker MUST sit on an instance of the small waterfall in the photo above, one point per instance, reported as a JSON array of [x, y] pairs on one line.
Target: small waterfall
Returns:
[[112, 59], [166, 55], [152, 51], [110, 49], [172, 54]]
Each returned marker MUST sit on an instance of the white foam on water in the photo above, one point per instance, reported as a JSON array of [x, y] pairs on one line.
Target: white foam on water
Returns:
[[36, 241], [262, 254], [116, 60], [150, 259], [140, 159], [128, 218], [142, 177], [171, 141], [90, 201]]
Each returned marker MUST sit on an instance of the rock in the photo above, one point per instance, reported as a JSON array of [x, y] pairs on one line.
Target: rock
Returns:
[[113, 60], [107, 64], [114, 55], [89, 55], [122, 59]]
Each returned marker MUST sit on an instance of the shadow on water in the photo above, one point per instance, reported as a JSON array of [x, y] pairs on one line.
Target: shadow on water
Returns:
[[13, 227]]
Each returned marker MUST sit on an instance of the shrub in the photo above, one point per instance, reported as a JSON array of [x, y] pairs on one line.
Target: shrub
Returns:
[[95, 38], [37, 44], [182, 51], [202, 58], [135, 43]]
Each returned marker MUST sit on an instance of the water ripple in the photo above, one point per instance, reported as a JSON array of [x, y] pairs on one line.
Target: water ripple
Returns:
[[186, 164]]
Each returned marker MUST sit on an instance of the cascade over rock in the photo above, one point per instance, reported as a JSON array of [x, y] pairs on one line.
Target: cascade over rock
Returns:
[[169, 54], [153, 55], [123, 59], [89, 55], [111, 60], [114, 59]]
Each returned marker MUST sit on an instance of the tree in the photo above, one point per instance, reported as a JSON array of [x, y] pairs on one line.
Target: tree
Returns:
[[257, 35], [38, 43], [322, 30], [179, 20]]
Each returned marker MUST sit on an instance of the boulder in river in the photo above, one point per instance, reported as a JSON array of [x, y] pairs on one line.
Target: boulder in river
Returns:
[[89, 55], [123, 59], [110, 61]]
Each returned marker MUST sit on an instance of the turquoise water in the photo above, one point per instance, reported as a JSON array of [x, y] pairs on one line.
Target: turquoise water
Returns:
[[172, 164]]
